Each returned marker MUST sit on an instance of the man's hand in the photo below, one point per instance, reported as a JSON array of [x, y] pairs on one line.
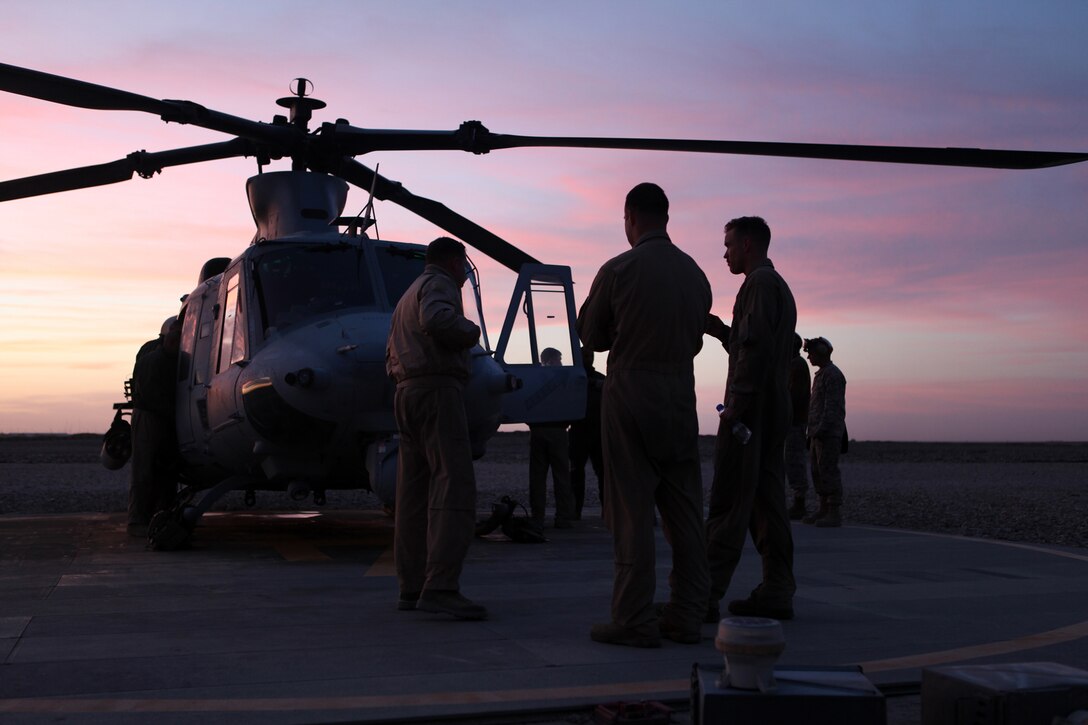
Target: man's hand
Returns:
[[728, 414], [715, 327]]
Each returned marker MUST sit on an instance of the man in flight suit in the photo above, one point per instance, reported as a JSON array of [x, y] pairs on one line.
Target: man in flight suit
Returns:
[[649, 307], [748, 491], [549, 448], [427, 356]]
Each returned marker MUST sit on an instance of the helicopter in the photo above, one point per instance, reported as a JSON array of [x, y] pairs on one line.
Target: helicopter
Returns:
[[281, 381]]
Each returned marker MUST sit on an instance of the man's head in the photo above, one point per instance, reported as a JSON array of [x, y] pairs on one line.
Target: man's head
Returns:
[[797, 344], [819, 351], [550, 356], [167, 323], [171, 336], [746, 242], [449, 254], [646, 209]]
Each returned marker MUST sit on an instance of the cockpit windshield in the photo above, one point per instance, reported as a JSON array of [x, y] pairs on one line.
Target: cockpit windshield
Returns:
[[298, 282]]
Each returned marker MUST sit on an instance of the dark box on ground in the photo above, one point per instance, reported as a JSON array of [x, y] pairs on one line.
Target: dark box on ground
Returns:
[[810, 695], [1019, 693]]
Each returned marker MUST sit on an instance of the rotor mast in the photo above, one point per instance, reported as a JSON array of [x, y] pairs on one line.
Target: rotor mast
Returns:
[[302, 109]]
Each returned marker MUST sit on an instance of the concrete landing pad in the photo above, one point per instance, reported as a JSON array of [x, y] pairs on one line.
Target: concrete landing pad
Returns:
[[291, 618]]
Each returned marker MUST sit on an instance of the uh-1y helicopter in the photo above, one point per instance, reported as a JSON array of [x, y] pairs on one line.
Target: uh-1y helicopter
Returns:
[[281, 382]]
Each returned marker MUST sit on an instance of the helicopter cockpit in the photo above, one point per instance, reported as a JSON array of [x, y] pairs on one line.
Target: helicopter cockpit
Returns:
[[294, 283]]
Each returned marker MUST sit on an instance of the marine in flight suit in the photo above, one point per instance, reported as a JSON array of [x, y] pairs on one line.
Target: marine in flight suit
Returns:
[[748, 490], [648, 307], [427, 356]]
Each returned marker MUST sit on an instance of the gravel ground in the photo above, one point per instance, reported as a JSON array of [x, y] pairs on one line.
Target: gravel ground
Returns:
[[1026, 492]]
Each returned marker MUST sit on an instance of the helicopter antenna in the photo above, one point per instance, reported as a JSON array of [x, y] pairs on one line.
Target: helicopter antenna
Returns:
[[369, 216]]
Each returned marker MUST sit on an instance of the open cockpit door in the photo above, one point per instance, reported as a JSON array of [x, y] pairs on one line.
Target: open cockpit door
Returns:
[[542, 316]]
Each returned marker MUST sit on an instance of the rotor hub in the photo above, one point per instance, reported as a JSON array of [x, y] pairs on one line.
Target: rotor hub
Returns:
[[301, 105]]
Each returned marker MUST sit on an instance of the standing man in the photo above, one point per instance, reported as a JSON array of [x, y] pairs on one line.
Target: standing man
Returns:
[[649, 307], [154, 481], [748, 492], [427, 356], [826, 430], [796, 455], [549, 448], [585, 438]]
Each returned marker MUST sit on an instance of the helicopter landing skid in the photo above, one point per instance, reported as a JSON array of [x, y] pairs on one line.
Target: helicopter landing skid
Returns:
[[172, 528], [168, 532]]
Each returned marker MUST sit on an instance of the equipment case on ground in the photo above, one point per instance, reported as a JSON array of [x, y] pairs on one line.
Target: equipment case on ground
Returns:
[[810, 695]]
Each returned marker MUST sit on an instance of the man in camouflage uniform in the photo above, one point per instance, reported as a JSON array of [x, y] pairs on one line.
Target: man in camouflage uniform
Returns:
[[826, 430], [748, 491], [427, 356], [649, 307]]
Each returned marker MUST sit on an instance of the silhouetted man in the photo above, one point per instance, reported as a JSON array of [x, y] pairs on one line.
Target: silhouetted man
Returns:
[[154, 482], [427, 356], [585, 438], [748, 491], [826, 430], [550, 449], [796, 453], [649, 307]]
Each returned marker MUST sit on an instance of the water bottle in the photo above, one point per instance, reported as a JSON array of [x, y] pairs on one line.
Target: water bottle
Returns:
[[740, 430]]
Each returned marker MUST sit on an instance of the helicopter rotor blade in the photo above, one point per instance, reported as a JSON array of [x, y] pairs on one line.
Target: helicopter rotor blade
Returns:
[[929, 156], [70, 92], [139, 162], [474, 137], [81, 94], [435, 212]]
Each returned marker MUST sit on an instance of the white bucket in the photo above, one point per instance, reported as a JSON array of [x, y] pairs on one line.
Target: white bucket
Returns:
[[750, 646]]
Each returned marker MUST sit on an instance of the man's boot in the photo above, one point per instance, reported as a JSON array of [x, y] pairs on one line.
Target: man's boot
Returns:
[[797, 510], [831, 519], [817, 514]]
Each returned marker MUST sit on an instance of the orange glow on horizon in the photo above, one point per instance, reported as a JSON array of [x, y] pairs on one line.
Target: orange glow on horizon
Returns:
[[955, 297]]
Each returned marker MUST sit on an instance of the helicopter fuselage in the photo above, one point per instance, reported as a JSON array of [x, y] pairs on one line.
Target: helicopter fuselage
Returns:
[[281, 380]]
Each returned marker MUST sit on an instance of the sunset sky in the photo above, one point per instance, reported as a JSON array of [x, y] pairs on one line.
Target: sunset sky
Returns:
[[955, 298]]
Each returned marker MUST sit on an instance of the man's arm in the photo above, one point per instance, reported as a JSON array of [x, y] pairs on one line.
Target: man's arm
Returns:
[[835, 408], [440, 315], [753, 342], [716, 328], [595, 324]]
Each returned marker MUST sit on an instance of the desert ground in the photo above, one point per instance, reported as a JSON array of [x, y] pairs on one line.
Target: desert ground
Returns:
[[1026, 492]]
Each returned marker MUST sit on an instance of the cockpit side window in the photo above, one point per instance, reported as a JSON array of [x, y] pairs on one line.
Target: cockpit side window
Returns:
[[232, 339], [238, 351], [188, 339]]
